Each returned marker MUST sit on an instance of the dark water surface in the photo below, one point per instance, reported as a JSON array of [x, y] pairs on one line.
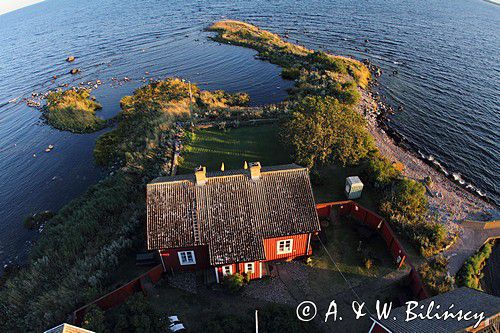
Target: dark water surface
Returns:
[[447, 54]]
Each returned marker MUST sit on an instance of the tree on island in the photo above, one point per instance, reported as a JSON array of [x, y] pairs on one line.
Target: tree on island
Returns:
[[321, 130]]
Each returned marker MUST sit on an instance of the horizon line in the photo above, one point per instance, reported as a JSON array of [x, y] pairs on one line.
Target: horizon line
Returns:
[[8, 6]]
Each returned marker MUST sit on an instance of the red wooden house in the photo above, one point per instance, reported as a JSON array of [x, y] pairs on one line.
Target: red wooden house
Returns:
[[232, 221]]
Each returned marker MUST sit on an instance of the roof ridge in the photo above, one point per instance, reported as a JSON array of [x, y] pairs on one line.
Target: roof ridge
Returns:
[[292, 167]]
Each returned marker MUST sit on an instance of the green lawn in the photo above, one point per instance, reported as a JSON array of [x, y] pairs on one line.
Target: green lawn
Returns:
[[211, 147]]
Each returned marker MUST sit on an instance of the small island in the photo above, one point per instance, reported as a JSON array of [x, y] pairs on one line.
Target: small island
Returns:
[[73, 110]]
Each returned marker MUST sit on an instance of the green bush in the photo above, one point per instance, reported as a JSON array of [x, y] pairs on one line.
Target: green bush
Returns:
[[104, 150], [135, 315], [435, 275], [328, 61], [405, 207], [95, 320], [471, 273], [290, 73], [381, 172], [235, 282]]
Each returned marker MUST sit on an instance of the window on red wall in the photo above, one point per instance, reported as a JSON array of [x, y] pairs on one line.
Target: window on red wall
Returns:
[[284, 246], [186, 257], [227, 270], [249, 267]]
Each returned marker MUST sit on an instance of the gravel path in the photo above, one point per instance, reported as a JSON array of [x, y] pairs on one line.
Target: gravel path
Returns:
[[184, 280]]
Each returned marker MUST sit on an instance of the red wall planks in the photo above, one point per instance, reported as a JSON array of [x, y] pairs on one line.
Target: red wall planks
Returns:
[[299, 247], [170, 258], [240, 268]]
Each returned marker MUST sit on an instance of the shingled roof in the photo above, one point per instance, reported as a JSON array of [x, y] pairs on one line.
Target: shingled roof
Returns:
[[463, 298], [231, 212]]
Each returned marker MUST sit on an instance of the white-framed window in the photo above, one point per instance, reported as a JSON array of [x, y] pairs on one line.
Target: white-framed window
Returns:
[[227, 270], [249, 267], [186, 257], [285, 246]]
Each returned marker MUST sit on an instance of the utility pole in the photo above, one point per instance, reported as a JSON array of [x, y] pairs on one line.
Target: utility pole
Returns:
[[256, 321]]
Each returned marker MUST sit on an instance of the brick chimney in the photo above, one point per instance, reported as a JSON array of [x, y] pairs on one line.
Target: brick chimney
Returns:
[[254, 170], [200, 174]]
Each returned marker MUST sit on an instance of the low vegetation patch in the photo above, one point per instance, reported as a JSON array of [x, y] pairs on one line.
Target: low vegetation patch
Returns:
[[74, 257], [221, 99], [435, 275], [146, 123], [405, 207], [135, 315], [471, 273], [37, 220], [74, 111]]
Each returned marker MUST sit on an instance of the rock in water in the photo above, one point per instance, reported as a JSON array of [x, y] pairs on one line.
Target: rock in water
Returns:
[[70, 59], [75, 71]]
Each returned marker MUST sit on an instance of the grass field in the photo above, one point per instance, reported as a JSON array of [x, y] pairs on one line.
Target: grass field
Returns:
[[211, 147]]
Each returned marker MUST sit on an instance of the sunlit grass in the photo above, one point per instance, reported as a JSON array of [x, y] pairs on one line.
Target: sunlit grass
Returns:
[[74, 111], [212, 147]]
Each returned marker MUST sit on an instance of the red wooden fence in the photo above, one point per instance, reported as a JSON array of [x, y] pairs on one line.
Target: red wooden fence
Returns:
[[377, 223], [120, 295]]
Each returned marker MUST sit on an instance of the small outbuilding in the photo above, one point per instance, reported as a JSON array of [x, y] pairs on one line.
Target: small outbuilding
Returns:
[[353, 187]]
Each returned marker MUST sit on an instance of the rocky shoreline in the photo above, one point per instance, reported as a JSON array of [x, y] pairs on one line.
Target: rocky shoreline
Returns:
[[451, 202]]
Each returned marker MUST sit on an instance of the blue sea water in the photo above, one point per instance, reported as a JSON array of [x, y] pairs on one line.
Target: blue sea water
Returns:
[[446, 53]]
